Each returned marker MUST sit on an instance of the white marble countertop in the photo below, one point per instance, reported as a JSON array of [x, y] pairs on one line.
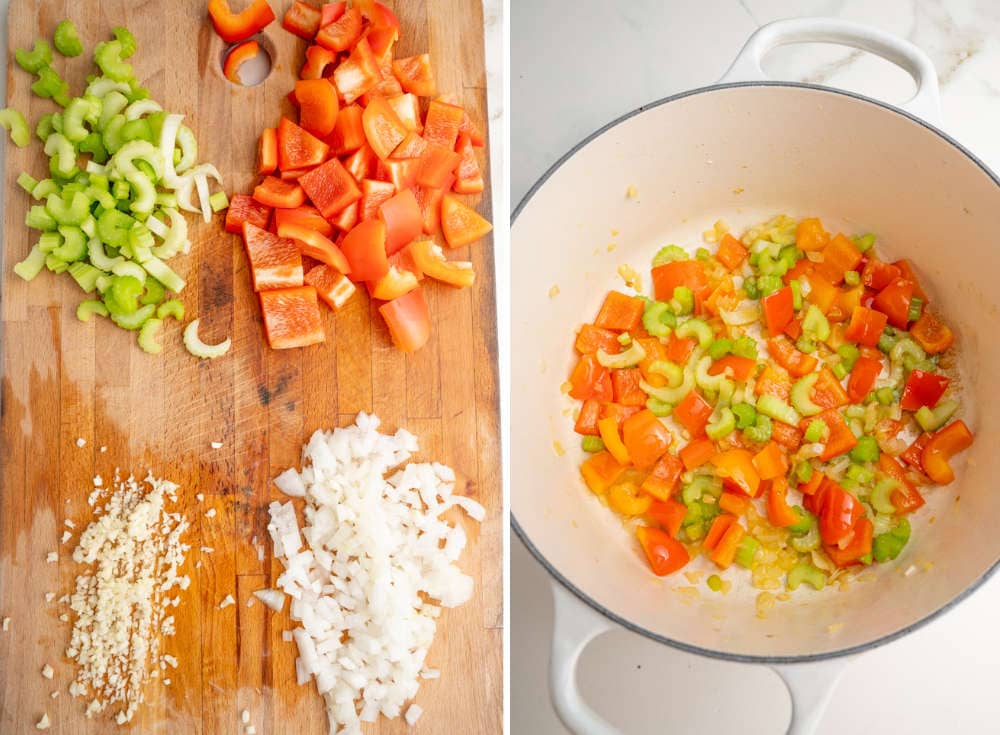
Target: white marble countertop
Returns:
[[576, 66]]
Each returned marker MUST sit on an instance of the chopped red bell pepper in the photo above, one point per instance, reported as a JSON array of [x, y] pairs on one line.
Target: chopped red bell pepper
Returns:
[[331, 12], [840, 438], [436, 166], [348, 132], [304, 216], [244, 208], [923, 389], [586, 421], [330, 187], [877, 275], [317, 60], [442, 123], [693, 413], [331, 285], [736, 466], [905, 498], [668, 512], [863, 376], [315, 245], [274, 261], [840, 512], [592, 338], [403, 220], [913, 455], [373, 194], [291, 317], [787, 436], [384, 130], [461, 224], [235, 58], [779, 512], [688, 273], [839, 257], [590, 379], [619, 312], [361, 163], [697, 452], [348, 218], [910, 275], [403, 175], [740, 368], [778, 310], [364, 247], [932, 334], [274, 192], [827, 391], [413, 146], [866, 326], [407, 109], [731, 252], [795, 362], [267, 151], [894, 302], [469, 177], [234, 27], [662, 479], [625, 382], [297, 148], [944, 445], [859, 546], [415, 75], [342, 33], [302, 19], [408, 320], [318, 106], [645, 437], [430, 206], [358, 73], [664, 553]]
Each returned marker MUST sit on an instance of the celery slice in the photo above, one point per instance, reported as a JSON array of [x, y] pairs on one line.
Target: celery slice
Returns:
[[196, 347], [90, 307], [32, 265], [147, 336], [136, 319], [173, 308]]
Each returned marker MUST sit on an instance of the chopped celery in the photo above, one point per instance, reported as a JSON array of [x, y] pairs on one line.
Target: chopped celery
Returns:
[[887, 546], [658, 407], [866, 450], [73, 247], [108, 56], [111, 104], [888, 340], [670, 254], [38, 218], [719, 348], [670, 371], [14, 121], [722, 426], [54, 264], [143, 109], [73, 212], [745, 414], [796, 287], [111, 134], [173, 308], [174, 283], [807, 521], [815, 325], [122, 296], [769, 284], [198, 348], [26, 181], [880, 497], [144, 191], [147, 336], [861, 475], [125, 158], [154, 292], [800, 394], [137, 130], [682, 302], [134, 320], [33, 61], [113, 227], [87, 308], [702, 254], [705, 381], [124, 36], [85, 276], [852, 278], [932, 419], [714, 582], [189, 149], [745, 347], [906, 352], [657, 318], [624, 359], [807, 541], [803, 471], [219, 201], [49, 241], [746, 551], [50, 85], [864, 243], [166, 199], [849, 355], [885, 396], [777, 409], [593, 444], [73, 125], [694, 328], [132, 270], [761, 430], [98, 256], [814, 432], [61, 150], [804, 344], [32, 265], [66, 40], [121, 190], [805, 573], [750, 287], [916, 309]]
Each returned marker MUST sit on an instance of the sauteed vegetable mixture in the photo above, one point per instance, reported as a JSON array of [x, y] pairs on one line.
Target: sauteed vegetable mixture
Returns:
[[756, 408]]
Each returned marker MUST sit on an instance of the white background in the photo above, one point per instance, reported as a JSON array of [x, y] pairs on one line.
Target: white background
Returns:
[[576, 66]]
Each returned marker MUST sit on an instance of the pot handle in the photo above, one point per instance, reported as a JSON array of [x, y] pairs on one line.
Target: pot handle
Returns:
[[574, 626], [810, 685], [925, 103]]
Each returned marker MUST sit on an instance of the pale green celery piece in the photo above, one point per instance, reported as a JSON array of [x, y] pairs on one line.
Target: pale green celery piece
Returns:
[[55, 265], [124, 159], [73, 119], [136, 319], [880, 497], [815, 324], [32, 265], [864, 243], [800, 395], [697, 328], [102, 87], [44, 188], [112, 104], [176, 237], [90, 307], [194, 345], [657, 318], [627, 358], [173, 308], [26, 181], [854, 412], [14, 121], [746, 551], [128, 268], [99, 257], [592, 444], [682, 302], [808, 574], [85, 276], [218, 201], [672, 395], [148, 333], [906, 348], [73, 246], [658, 408], [59, 147], [189, 149], [932, 419], [777, 409], [703, 379], [807, 542], [145, 193], [173, 282], [673, 373], [624, 339], [722, 426]]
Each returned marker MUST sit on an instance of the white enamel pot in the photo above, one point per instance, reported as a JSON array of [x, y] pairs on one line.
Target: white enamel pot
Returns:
[[742, 150]]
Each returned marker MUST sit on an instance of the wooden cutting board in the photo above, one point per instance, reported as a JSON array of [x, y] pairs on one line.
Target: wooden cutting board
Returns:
[[64, 380]]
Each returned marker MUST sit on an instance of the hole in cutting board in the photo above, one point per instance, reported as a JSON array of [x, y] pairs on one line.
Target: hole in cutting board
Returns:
[[254, 70]]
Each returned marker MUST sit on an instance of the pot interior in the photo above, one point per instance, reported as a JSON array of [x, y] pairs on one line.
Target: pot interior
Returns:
[[742, 154]]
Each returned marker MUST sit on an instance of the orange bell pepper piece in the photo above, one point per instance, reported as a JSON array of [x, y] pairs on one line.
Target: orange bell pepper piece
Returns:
[[840, 438], [274, 192], [662, 479], [787, 436], [737, 465], [318, 106], [779, 512], [931, 334], [620, 312], [810, 235], [461, 224], [866, 326], [795, 362], [646, 439], [725, 551], [770, 462], [234, 27], [679, 349], [655, 350], [731, 252], [331, 285], [613, 441], [626, 386], [441, 124], [235, 58], [664, 553], [717, 530], [697, 453], [267, 151], [778, 310], [740, 368], [821, 292], [914, 453], [688, 273], [693, 413], [770, 383], [590, 339], [589, 379], [617, 412], [599, 471], [839, 257], [828, 392], [944, 445], [859, 545], [733, 503], [906, 271], [415, 75], [894, 302], [586, 420], [668, 513], [905, 498]]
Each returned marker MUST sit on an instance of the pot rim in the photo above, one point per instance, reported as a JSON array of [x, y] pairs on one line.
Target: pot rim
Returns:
[[628, 624]]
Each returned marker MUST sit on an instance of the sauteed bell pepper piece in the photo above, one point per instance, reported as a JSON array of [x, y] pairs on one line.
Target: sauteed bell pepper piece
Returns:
[[612, 439], [840, 438], [858, 547], [795, 362], [931, 334], [866, 326], [687, 273], [664, 553], [810, 235], [894, 302], [646, 439], [839, 513], [591, 338], [779, 512], [839, 257], [737, 465], [770, 462], [697, 452], [693, 413], [941, 447], [877, 275], [600, 471], [923, 389], [778, 310], [662, 479], [725, 550], [669, 513], [233, 27], [863, 376]]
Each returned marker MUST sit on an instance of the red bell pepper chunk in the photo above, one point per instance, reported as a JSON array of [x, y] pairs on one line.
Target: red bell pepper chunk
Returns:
[[304, 216], [688, 273], [740, 368], [839, 257], [315, 245], [331, 285], [274, 192], [590, 414], [778, 310], [619, 312], [413, 146], [348, 132], [384, 131], [364, 247], [604, 391], [697, 452], [877, 275], [330, 187], [591, 338], [731, 252], [291, 317], [318, 106], [442, 123], [645, 437], [894, 302], [693, 413], [770, 462], [403, 175], [840, 438], [944, 445], [298, 148], [317, 60], [358, 73], [931, 334], [669, 513], [795, 362], [267, 151], [828, 392], [863, 376], [342, 33], [866, 326], [379, 15], [430, 206], [779, 512], [403, 220], [913, 455], [347, 219], [662, 479], [461, 224], [302, 20], [859, 546], [923, 389], [373, 194], [679, 349], [275, 262], [469, 177], [787, 436], [407, 109], [331, 12], [840, 512], [361, 163], [244, 208], [664, 553], [905, 498], [408, 320], [234, 27], [436, 166], [907, 272], [235, 58], [590, 379], [415, 75]]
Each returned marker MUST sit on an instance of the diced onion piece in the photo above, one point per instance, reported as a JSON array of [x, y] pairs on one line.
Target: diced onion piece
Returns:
[[168, 139], [747, 312], [274, 599], [198, 348]]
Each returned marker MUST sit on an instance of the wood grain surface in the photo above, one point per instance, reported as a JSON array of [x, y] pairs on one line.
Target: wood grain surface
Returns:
[[63, 379]]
